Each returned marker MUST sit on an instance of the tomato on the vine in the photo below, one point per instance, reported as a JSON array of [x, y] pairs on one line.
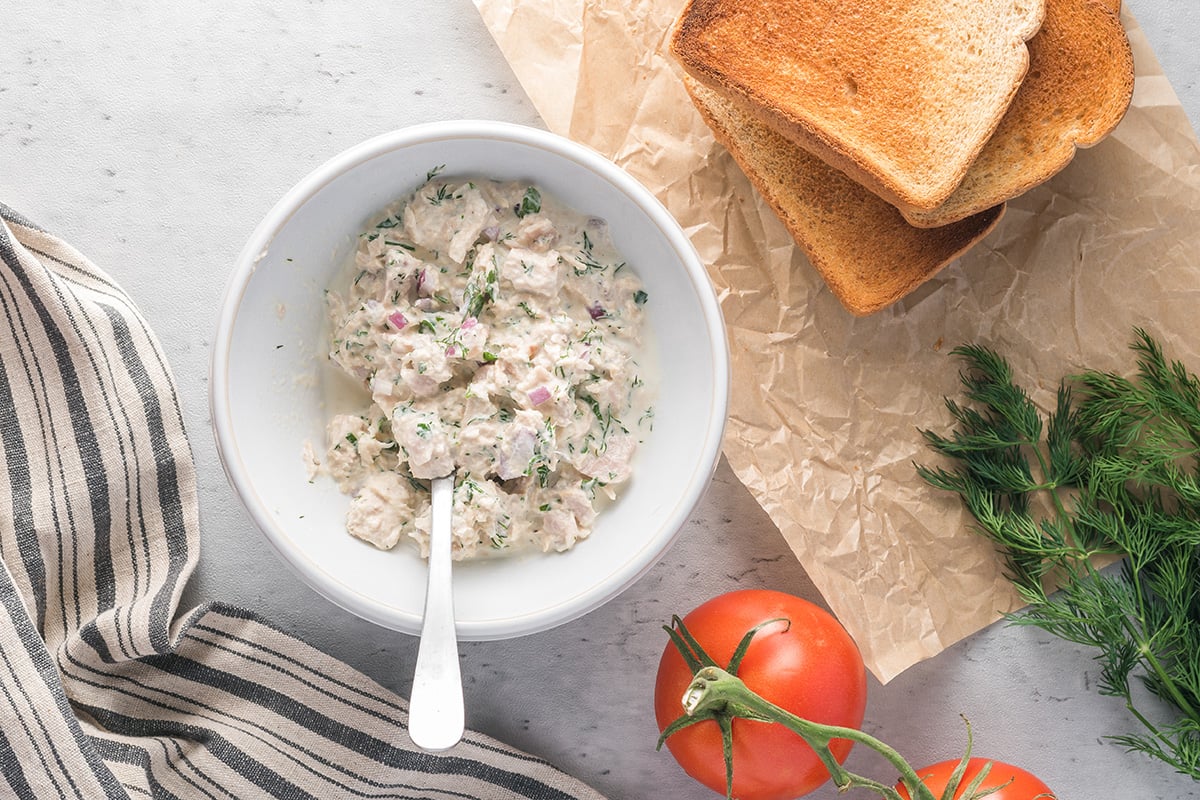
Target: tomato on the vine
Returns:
[[808, 665], [1018, 784]]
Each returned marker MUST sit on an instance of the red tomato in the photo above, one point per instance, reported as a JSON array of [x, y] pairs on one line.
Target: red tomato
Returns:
[[812, 669], [1024, 786]]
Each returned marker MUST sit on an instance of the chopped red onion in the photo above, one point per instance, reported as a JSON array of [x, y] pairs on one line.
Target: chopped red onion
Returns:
[[397, 319], [539, 395]]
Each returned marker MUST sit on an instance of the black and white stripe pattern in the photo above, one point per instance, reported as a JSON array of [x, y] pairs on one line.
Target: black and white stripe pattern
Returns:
[[104, 691]]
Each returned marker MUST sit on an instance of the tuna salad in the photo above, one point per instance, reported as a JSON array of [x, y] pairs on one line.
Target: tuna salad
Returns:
[[495, 334]]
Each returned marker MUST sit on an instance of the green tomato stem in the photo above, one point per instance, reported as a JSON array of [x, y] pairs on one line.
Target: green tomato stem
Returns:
[[716, 693]]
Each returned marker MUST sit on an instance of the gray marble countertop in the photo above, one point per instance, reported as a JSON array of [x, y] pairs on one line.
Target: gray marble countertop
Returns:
[[154, 136]]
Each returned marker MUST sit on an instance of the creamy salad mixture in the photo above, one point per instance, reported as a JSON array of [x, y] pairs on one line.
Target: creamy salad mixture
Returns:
[[497, 333]]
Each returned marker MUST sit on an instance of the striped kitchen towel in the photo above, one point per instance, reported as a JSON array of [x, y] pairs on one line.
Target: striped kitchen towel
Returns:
[[105, 689]]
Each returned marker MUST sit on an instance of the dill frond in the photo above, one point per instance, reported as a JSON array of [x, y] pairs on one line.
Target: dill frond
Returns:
[[1119, 471]]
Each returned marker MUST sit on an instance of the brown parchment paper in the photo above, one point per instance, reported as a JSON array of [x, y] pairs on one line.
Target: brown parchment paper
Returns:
[[826, 407]]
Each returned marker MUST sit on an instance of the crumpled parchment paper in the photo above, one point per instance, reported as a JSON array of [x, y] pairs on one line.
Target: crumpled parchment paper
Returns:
[[826, 410]]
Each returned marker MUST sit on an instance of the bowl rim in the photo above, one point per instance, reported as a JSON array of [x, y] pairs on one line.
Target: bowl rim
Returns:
[[257, 245]]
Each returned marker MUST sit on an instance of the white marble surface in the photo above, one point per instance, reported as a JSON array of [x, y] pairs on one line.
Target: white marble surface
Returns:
[[154, 135]]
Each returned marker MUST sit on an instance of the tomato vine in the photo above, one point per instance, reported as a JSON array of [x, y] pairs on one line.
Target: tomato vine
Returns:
[[716, 694]]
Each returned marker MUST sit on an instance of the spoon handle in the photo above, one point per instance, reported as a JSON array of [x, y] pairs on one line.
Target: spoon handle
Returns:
[[435, 713]]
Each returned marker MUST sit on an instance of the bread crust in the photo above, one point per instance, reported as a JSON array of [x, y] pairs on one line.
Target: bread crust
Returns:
[[899, 94], [865, 251], [1078, 88]]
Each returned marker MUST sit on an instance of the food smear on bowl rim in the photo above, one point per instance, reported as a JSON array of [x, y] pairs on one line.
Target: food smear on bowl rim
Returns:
[[493, 332]]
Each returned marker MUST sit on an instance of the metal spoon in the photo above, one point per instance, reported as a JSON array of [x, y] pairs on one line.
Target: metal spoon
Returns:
[[435, 712]]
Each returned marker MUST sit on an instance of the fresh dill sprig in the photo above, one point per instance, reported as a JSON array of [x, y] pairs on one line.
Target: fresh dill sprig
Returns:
[[531, 203], [444, 193], [1113, 469]]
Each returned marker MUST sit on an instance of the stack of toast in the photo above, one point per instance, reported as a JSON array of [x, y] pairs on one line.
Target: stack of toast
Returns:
[[888, 134]]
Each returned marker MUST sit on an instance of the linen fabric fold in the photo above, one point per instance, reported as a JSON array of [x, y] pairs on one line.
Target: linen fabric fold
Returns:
[[105, 689]]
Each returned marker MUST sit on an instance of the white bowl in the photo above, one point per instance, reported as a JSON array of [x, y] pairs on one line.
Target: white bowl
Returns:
[[268, 400]]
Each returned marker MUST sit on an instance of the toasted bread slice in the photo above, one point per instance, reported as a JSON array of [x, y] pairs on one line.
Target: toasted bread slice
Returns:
[[899, 94], [1079, 85], [863, 249]]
